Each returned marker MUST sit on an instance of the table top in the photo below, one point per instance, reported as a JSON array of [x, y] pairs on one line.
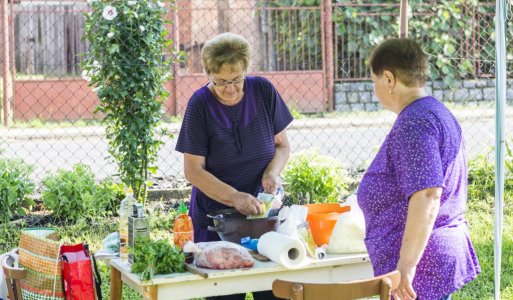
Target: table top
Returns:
[[258, 268]]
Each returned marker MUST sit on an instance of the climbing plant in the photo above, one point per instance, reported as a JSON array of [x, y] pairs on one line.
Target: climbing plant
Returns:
[[127, 65]]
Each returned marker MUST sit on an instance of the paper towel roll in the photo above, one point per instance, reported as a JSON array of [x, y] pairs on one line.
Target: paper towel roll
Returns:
[[282, 249]]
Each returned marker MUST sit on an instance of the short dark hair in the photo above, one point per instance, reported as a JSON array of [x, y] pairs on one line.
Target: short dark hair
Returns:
[[404, 58]]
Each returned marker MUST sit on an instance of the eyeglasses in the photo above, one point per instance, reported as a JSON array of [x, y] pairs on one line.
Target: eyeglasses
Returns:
[[224, 84]]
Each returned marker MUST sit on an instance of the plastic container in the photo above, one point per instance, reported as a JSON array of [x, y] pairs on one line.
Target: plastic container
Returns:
[[182, 227], [322, 218], [125, 210]]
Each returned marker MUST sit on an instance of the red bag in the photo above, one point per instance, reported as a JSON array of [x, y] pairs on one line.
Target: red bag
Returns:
[[77, 273]]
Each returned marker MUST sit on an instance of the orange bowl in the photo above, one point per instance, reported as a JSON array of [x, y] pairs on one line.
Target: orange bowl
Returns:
[[322, 218]]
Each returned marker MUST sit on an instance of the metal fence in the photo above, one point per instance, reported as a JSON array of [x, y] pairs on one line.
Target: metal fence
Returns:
[[315, 55], [358, 27]]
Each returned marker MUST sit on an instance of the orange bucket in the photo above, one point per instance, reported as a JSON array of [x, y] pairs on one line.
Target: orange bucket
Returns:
[[322, 218]]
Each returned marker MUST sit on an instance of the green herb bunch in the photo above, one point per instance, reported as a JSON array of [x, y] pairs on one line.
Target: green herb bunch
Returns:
[[15, 188], [127, 67], [156, 257], [324, 178], [74, 194]]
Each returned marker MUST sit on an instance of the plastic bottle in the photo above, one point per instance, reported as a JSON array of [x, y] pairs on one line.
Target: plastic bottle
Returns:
[[125, 210], [182, 227]]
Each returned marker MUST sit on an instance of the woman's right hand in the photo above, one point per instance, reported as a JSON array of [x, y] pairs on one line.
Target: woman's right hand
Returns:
[[246, 204]]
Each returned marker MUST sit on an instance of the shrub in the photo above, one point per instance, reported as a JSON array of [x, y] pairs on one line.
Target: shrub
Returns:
[[481, 175], [481, 178], [323, 177], [15, 188], [75, 194]]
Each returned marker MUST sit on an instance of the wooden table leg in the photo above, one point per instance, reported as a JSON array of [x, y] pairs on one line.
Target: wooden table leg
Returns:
[[150, 292], [115, 284]]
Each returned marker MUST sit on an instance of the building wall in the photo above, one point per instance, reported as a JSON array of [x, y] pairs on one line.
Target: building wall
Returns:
[[59, 100]]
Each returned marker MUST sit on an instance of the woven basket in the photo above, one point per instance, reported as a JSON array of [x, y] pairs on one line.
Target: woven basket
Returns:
[[39, 254]]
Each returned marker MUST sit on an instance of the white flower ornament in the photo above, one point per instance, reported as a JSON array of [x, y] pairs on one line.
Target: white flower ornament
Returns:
[[86, 75], [109, 13]]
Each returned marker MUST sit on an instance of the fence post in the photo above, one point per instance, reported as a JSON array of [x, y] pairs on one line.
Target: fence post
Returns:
[[172, 28], [7, 79], [403, 19], [329, 52]]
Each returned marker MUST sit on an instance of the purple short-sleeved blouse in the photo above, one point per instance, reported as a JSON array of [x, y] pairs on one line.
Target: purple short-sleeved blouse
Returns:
[[423, 149], [236, 141]]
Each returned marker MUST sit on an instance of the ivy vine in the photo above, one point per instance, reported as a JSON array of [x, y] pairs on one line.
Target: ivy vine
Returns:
[[127, 67]]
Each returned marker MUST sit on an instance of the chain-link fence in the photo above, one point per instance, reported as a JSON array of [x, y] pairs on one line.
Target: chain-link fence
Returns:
[[314, 53]]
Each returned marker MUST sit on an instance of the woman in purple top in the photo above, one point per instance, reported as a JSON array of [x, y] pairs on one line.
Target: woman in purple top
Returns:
[[233, 138], [414, 193]]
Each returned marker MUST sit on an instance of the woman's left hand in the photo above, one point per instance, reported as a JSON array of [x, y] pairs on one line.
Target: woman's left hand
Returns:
[[405, 289], [270, 183]]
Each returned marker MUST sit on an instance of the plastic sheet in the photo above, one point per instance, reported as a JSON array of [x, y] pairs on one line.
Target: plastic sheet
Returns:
[[220, 255]]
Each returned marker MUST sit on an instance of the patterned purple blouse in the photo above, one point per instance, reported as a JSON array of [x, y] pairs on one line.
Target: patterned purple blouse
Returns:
[[423, 149], [237, 141]]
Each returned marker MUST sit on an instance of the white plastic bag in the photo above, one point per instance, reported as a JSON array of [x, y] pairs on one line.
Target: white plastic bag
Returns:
[[290, 218], [349, 232]]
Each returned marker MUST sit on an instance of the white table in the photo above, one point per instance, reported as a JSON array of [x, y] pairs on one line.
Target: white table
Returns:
[[224, 282]]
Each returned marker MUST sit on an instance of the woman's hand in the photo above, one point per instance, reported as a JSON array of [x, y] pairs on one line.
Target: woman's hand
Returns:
[[271, 178], [246, 204], [270, 183], [405, 289]]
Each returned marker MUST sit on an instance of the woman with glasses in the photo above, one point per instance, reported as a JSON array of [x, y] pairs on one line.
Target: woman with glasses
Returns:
[[233, 138]]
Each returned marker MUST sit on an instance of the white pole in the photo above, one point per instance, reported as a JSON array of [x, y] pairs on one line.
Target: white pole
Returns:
[[403, 19], [500, 100]]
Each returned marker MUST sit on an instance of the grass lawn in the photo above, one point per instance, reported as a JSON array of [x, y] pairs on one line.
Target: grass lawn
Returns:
[[480, 216]]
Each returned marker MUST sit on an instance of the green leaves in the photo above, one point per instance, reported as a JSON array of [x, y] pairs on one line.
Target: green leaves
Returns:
[[323, 177], [127, 68], [481, 175], [15, 188], [448, 30], [156, 257], [74, 194]]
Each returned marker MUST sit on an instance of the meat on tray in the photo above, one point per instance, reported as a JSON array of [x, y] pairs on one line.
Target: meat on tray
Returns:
[[220, 255]]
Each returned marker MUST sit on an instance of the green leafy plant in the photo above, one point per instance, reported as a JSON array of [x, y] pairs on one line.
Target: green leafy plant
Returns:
[[296, 113], [481, 178], [127, 67], [481, 174], [15, 188], [10, 236], [74, 194], [324, 178], [163, 220], [156, 257]]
